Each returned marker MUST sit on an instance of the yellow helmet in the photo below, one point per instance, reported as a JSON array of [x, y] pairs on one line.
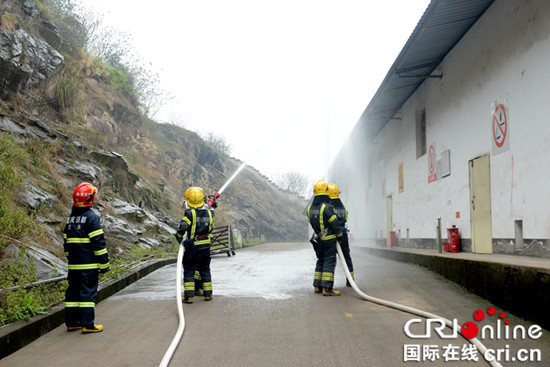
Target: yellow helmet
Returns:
[[320, 188], [194, 197], [333, 191]]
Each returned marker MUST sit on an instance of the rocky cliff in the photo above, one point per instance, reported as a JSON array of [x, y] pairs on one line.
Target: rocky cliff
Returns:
[[63, 120]]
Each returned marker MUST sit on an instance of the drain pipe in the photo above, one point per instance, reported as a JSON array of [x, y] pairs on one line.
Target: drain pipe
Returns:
[[403, 308], [181, 326]]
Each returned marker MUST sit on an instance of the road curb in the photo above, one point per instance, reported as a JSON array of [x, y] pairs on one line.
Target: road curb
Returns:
[[15, 336]]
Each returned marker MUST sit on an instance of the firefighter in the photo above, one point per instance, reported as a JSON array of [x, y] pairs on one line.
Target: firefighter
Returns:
[[342, 214], [84, 246], [198, 282], [197, 222], [326, 231]]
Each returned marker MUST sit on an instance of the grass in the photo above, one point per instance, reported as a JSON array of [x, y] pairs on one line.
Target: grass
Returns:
[[67, 91], [22, 304], [246, 242], [14, 221], [8, 22], [132, 255]]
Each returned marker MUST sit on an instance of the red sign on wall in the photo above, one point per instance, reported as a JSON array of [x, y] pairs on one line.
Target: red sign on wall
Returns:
[[431, 164]]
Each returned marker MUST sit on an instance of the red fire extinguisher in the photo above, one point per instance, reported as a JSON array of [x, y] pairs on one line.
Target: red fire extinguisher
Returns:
[[453, 237]]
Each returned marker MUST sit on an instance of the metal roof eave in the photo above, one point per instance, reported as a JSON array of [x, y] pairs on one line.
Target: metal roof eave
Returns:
[[440, 28]]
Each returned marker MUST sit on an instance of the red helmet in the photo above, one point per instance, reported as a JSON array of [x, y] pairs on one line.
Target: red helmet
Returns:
[[83, 194]]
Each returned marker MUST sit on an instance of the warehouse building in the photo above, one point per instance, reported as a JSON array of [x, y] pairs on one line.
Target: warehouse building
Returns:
[[457, 136]]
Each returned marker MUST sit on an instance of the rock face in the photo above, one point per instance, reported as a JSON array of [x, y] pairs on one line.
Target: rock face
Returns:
[[25, 61], [140, 167]]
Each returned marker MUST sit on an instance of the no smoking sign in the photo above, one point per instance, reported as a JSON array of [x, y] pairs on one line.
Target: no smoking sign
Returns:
[[500, 126]]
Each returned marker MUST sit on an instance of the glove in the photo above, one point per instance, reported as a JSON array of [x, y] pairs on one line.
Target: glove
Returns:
[[103, 271], [316, 245], [179, 237]]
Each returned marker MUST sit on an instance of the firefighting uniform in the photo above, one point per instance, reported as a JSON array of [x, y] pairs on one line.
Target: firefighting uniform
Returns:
[[84, 246], [198, 223], [325, 225], [342, 214]]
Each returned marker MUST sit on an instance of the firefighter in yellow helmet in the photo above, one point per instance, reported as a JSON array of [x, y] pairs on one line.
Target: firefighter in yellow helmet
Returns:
[[342, 214], [326, 231], [198, 281], [197, 222]]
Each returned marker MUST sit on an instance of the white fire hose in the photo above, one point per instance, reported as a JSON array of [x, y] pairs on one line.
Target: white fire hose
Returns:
[[403, 308], [181, 326]]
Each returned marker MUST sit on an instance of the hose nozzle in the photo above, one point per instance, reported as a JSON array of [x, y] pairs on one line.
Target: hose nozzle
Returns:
[[212, 200]]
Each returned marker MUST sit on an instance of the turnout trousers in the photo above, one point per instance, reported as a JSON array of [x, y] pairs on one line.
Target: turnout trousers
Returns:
[[80, 297], [200, 262], [326, 263], [345, 250]]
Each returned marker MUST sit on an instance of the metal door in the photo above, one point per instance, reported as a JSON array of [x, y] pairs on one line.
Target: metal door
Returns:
[[480, 205]]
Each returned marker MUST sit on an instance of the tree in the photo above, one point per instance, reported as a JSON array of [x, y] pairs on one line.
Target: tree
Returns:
[[72, 29], [218, 142], [114, 48], [293, 182]]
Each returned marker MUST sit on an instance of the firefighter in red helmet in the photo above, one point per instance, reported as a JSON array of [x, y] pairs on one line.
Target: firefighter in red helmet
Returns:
[[84, 246]]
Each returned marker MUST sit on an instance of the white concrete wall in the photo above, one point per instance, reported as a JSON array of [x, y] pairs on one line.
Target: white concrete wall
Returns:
[[506, 53]]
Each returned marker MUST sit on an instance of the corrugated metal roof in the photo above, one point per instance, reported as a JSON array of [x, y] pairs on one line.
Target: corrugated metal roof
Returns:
[[443, 24]]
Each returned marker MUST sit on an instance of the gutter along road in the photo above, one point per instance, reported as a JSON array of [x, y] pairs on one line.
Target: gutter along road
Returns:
[[264, 313]]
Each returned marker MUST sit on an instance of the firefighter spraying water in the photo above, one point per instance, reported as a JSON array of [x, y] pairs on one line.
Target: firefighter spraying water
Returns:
[[321, 191], [196, 202]]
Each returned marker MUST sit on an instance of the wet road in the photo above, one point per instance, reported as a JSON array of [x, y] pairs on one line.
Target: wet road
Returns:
[[265, 313]]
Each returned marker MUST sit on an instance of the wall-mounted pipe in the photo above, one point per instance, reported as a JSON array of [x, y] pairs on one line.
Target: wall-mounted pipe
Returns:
[[439, 244]]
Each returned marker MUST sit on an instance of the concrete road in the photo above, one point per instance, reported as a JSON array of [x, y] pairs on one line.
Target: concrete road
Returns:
[[265, 313]]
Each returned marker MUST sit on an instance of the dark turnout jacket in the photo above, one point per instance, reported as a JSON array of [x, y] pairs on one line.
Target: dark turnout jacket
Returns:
[[84, 242], [198, 223], [323, 219]]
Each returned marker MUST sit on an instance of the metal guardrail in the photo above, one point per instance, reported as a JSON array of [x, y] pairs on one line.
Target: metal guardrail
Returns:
[[64, 277], [35, 284]]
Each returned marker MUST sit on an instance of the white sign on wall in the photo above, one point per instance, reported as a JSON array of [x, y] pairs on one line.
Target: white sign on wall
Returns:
[[443, 165]]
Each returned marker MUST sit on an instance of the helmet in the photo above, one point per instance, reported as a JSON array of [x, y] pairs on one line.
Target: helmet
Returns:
[[84, 194], [186, 193], [333, 191], [194, 197], [320, 188]]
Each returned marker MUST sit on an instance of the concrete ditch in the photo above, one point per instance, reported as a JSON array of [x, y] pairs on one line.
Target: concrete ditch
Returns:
[[514, 285]]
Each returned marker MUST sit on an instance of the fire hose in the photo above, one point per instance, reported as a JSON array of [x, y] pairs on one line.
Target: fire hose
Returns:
[[181, 326], [403, 308]]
